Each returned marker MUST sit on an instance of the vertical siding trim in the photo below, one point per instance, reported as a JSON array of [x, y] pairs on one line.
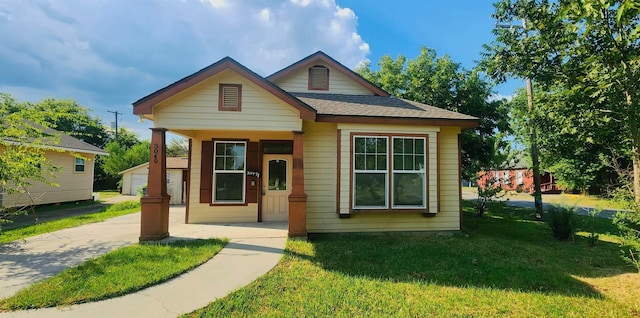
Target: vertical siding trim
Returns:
[[252, 155], [338, 154], [188, 189], [438, 164], [206, 171], [459, 180]]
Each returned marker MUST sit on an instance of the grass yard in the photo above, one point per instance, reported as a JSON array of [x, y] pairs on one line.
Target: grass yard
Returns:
[[117, 273], [117, 209], [501, 265], [103, 195]]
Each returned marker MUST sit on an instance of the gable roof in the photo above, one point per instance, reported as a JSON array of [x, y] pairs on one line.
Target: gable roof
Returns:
[[388, 110], [63, 142], [145, 104], [321, 56], [75, 145]]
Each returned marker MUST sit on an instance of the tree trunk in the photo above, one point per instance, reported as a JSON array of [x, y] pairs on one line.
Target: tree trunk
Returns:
[[635, 156]]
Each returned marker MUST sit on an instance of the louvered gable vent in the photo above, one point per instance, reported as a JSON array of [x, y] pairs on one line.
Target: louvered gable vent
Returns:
[[318, 78], [230, 97]]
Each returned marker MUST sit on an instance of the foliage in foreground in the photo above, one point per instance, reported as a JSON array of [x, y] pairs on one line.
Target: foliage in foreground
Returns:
[[117, 273], [503, 265], [117, 209], [562, 221]]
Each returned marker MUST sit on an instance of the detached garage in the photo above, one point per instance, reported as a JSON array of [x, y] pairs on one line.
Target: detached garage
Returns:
[[136, 177]]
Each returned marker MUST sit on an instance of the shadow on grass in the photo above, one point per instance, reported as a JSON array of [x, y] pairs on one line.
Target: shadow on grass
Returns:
[[502, 250]]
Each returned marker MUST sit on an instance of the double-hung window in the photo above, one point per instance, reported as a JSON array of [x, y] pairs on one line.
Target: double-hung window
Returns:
[[409, 173], [229, 171], [370, 173], [389, 172], [79, 165]]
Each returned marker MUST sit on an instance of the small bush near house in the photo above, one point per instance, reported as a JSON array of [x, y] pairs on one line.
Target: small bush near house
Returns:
[[562, 221], [142, 190]]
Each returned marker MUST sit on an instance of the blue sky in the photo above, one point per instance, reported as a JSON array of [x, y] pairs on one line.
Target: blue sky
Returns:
[[109, 53]]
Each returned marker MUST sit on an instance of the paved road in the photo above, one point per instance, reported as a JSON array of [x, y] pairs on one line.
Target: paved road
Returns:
[[526, 201]]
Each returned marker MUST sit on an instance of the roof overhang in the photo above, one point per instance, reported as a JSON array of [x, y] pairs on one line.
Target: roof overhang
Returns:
[[462, 123], [144, 106]]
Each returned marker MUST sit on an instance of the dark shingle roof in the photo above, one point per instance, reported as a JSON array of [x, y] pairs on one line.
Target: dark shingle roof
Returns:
[[375, 106]]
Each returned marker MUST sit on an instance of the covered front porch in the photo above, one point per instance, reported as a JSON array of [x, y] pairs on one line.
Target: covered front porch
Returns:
[[233, 176]]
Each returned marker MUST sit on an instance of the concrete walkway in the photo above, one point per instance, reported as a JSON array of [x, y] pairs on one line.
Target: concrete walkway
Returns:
[[253, 250]]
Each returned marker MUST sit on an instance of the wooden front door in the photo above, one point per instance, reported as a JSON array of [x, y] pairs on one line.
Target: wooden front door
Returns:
[[276, 186]]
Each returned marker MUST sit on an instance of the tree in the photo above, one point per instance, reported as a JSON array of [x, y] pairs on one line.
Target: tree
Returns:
[[584, 55], [443, 83], [576, 151], [121, 158], [24, 140], [66, 115], [178, 147]]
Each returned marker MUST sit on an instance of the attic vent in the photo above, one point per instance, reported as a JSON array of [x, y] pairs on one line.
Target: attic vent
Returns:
[[230, 98], [319, 78]]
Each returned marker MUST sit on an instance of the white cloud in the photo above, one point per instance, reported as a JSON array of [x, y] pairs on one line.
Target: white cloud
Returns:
[[264, 15], [216, 3], [108, 54]]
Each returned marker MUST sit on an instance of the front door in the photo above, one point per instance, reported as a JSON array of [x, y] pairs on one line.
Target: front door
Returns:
[[276, 186]]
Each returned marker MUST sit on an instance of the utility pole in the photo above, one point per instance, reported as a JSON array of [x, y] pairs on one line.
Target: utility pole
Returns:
[[533, 139], [115, 113]]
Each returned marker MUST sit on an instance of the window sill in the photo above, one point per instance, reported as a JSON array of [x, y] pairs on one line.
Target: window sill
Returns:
[[390, 211], [228, 204]]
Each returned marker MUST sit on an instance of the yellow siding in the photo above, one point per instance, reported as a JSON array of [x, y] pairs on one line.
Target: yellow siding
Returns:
[[322, 217], [73, 186], [338, 83], [320, 162], [197, 108], [203, 212]]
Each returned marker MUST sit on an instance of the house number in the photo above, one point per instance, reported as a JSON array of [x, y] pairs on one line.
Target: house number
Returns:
[[155, 153], [253, 174]]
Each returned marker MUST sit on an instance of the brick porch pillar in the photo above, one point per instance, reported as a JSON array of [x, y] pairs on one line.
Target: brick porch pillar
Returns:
[[297, 198], [154, 223]]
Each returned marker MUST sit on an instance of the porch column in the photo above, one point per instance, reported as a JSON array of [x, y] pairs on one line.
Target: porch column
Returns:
[[297, 198], [154, 223]]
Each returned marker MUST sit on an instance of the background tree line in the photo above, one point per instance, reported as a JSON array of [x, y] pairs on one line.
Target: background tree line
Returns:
[[23, 130]]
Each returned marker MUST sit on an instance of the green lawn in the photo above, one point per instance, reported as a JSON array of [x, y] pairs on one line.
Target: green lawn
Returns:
[[501, 265], [117, 273], [117, 209]]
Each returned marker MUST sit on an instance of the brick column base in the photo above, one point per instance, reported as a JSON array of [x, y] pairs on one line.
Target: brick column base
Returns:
[[297, 215], [155, 218]]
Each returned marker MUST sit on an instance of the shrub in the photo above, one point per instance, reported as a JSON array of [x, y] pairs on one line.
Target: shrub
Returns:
[[142, 190], [562, 221], [490, 192], [629, 225]]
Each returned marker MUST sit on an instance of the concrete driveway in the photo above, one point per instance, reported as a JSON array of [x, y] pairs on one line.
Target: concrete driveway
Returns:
[[253, 250]]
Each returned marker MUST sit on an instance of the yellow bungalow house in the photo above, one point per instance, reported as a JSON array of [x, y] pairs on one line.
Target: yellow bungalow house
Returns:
[[314, 144], [74, 181]]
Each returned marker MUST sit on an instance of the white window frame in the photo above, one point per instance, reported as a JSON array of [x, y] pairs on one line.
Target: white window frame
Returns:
[[216, 171], [385, 172], [505, 177], [77, 162], [423, 171], [519, 177]]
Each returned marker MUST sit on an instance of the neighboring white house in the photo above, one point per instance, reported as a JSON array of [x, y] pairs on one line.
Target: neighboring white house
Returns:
[[76, 160], [136, 177]]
